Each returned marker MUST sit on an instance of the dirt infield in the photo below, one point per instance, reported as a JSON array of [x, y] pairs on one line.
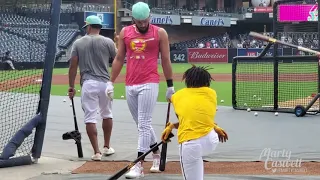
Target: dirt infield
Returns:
[[20, 82], [303, 101], [234, 168], [282, 77], [63, 79]]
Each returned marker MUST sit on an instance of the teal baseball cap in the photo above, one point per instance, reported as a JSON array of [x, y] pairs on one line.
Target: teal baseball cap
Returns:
[[140, 11], [93, 19]]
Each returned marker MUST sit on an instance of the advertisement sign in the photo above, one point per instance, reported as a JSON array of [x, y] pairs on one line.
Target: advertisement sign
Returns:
[[106, 17], [298, 12], [211, 21], [296, 52], [165, 19], [178, 56], [256, 52], [263, 10], [260, 10], [210, 55]]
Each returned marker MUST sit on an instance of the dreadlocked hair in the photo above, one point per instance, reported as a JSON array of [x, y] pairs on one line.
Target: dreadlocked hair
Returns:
[[196, 77]]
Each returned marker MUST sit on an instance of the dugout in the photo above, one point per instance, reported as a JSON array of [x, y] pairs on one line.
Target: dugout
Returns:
[[281, 82]]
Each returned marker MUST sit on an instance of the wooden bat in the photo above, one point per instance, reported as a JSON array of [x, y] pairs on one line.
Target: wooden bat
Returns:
[[273, 40], [127, 168], [79, 146], [163, 157]]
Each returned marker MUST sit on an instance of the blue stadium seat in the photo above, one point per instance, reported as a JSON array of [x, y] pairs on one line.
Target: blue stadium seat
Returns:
[[26, 37]]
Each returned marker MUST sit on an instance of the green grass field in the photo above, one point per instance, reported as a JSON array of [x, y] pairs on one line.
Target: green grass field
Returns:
[[262, 89]]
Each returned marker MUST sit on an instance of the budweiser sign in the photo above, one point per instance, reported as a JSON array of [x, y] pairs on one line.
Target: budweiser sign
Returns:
[[208, 55]]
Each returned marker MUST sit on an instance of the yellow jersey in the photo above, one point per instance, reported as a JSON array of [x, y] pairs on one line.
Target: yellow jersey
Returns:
[[196, 109]]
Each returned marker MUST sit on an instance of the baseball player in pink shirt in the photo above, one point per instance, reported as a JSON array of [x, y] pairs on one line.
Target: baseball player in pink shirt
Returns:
[[141, 44]]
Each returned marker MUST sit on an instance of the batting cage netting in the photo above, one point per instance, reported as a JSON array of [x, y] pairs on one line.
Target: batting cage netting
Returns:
[[24, 41], [289, 77]]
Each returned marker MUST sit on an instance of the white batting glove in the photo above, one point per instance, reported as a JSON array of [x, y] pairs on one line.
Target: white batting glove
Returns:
[[109, 90], [169, 93]]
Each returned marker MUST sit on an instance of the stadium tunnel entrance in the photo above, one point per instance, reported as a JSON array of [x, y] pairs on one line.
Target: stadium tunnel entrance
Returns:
[[107, 33], [110, 34]]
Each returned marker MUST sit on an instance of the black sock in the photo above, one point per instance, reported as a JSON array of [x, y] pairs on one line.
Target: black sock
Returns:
[[156, 149]]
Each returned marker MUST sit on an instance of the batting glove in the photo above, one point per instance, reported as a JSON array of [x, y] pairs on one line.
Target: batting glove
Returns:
[[109, 90], [223, 136], [169, 93], [167, 131]]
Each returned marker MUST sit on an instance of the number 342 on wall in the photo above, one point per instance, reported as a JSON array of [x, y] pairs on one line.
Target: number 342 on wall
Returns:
[[179, 57]]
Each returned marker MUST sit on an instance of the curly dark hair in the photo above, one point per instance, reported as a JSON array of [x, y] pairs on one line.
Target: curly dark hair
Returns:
[[197, 76]]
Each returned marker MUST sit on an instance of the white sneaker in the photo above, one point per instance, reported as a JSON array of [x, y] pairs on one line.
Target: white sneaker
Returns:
[[135, 172], [108, 151], [155, 164], [96, 157]]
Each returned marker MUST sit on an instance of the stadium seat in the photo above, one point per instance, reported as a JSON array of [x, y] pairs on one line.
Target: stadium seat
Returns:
[[26, 37]]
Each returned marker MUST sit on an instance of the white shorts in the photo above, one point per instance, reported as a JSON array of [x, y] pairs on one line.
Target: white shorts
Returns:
[[191, 153], [94, 97]]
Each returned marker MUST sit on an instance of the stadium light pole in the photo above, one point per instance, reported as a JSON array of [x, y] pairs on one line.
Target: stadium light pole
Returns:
[[115, 15], [318, 3]]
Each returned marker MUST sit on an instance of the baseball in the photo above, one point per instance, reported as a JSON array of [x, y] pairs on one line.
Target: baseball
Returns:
[[67, 94], [248, 109], [122, 96], [70, 105], [256, 114], [64, 100], [79, 90], [276, 113], [245, 104], [254, 96], [222, 101]]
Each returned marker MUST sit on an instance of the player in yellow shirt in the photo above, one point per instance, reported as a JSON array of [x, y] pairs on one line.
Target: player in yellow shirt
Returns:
[[198, 134]]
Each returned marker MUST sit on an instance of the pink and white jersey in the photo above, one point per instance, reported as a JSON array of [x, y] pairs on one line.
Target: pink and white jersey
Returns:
[[142, 52]]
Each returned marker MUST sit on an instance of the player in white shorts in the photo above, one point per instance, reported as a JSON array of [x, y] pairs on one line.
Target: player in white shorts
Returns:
[[92, 53]]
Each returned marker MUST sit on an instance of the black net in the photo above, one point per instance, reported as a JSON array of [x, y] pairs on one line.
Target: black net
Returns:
[[298, 79], [298, 83], [23, 38], [254, 84]]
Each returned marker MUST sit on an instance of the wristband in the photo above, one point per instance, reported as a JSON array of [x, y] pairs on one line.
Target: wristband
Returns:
[[169, 83]]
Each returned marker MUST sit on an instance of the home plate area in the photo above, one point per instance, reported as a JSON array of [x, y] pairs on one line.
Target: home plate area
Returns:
[[259, 147]]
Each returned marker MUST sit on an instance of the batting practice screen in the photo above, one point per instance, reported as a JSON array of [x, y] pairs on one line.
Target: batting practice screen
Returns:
[[281, 82], [24, 42]]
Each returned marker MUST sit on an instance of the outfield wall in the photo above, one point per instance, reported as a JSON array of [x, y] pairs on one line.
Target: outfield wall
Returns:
[[223, 55]]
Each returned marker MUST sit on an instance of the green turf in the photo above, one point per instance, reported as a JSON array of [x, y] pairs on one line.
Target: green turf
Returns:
[[258, 94], [263, 90], [223, 90], [177, 68], [250, 68], [10, 75], [287, 91], [181, 68]]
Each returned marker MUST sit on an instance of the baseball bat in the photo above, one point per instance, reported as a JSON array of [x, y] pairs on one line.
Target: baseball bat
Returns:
[[164, 147], [79, 146], [125, 169], [273, 40]]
